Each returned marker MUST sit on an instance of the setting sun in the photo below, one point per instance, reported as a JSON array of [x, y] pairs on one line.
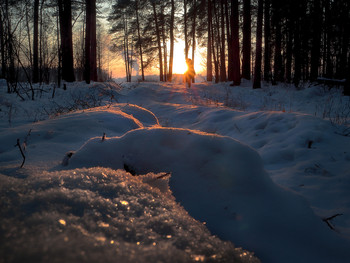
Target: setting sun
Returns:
[[179, 66]]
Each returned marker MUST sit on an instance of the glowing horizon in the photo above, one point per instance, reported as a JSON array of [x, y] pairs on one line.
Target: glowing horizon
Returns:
[[179, 62]]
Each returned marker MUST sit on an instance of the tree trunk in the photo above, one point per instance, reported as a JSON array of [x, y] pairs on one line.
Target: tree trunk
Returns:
[[87, 75], [209, 44], [194, 34], [90, 42], [11, 74], [278, 42], [257, 69], [161, 78], [235, 43], [297, 47], [65, 15], [93, 53], [246, 39], [36, 43], [185, 28], [2, 43], [229, 46], [165, 53], [267, 39], [316, 39], [328, 36], [222, 54], [289, 47], [347, 82], [172, 40]]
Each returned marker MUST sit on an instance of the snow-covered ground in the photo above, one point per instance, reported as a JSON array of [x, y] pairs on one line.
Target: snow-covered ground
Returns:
[[267, 170]]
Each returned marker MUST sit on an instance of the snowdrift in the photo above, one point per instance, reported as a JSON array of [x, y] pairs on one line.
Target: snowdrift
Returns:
[[101, 215], [222, 182]]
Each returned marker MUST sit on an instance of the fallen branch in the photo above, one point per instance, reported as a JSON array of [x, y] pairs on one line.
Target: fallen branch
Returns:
[[20, 148]]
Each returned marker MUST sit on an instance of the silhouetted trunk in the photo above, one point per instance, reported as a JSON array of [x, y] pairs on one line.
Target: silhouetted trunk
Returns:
[[36, 43], [194, 29], [246, 39], [267, 39], [93, 54], [347, 82], [11, 73], [277, 76], [165, 53], [297, 49], [222, 54], [329, 64], [209, 44], [172, 39], [161, 78], [185, 28], [289, 46], [87, 74], [229, 46], [344, 43], [257, 69], [2, 48], [235, 43], [316, 39], [65, 15]]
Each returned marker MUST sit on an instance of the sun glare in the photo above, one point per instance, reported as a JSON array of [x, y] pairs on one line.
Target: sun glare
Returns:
[[179, 66]]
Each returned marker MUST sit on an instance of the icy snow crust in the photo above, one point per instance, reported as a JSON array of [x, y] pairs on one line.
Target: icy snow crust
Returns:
[[101, 215], [217, 146]]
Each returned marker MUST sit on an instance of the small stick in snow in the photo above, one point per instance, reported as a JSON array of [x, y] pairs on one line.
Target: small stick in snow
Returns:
[[162, 176], [328, 219], [103, 137], [310, 144], [20, 148]]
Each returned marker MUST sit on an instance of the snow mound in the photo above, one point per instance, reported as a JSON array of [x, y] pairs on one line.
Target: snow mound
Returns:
[[101, 215], [56, 136], [222, 182]]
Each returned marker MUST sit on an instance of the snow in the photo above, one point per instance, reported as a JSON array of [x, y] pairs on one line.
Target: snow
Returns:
[[262, 169]]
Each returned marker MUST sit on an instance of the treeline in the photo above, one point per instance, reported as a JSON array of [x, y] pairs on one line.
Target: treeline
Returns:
[[273, 40], [290, 41], [50, 40]]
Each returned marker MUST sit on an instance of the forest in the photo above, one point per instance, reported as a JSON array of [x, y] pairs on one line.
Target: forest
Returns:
[[50, 41]]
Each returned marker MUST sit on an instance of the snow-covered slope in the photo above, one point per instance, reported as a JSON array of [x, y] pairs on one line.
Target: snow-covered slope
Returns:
[[262, 168]]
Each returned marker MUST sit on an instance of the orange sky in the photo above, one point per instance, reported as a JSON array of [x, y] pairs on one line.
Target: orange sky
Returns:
[[117, 66]]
